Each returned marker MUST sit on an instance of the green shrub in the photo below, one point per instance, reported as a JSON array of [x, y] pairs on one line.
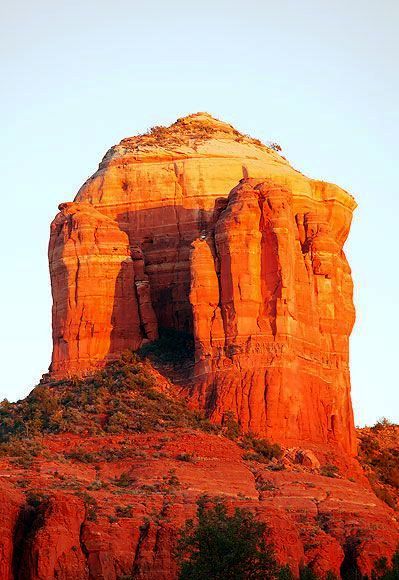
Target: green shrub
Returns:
[[263, 450], [125, 511], [121, 398], [124, 480], [329, 470], [223, 546], [188, 457]]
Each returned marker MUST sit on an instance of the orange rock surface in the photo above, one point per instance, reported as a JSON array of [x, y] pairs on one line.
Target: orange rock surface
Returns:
[[101, 302], [271, 291], [311, 518], [161, 189], [271, 294]]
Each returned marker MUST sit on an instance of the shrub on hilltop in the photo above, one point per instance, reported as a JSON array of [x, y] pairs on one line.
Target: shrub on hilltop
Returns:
[[379, 455]]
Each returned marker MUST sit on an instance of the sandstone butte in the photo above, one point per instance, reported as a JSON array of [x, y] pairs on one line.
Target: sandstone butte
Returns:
[[198, 228], [202, 230]]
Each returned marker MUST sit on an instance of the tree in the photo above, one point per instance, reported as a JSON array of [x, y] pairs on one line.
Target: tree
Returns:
[[222, 546]]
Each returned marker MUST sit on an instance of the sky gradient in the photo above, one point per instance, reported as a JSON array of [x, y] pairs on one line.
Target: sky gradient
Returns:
[[319, 77]]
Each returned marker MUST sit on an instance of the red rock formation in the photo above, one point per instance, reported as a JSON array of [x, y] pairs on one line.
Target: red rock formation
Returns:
[[161, 188], [9, 513], [50, 541], [101, 303], [311, 518], [272, 304], [271, 292]]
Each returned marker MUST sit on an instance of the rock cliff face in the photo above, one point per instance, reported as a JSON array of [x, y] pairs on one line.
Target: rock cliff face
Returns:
[[313, 520], [271, 294], [101, 301], [268, 292]]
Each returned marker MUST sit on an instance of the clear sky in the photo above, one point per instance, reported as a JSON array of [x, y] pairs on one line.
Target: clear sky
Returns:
[[319, 77]]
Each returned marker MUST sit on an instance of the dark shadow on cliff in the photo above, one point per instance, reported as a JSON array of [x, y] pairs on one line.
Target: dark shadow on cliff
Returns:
[[165, 235]]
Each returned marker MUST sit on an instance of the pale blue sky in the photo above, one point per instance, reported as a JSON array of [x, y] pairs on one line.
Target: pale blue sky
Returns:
[[319, 77]]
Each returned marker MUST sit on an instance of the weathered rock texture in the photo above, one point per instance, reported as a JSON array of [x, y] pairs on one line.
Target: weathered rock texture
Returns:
[[101, 301], [271, 291], [312, 519], [272, 302], [161, 189]]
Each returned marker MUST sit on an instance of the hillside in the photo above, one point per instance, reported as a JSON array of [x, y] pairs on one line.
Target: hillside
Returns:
[[99, 475]]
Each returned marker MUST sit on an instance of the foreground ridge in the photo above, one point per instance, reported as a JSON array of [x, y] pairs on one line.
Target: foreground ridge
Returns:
[[100, 475]]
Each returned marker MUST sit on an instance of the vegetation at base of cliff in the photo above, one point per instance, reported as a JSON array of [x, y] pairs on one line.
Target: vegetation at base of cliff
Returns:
[[121, 398], [222, 545], [379, 455]]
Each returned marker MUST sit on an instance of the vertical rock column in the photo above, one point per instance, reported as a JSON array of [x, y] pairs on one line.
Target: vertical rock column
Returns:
[[95, 307], [280, 283]]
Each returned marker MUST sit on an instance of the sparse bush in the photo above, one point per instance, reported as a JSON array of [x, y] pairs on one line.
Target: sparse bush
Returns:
[[383, 494], [265, 485], [124, 480], [36, 498], [382, 423], [96, 485], [324, 520], [306, 573], [81, 455], [171, 480], [349, 567], [188, 457], [262, 448], [385, 571], [231, 428], [91, 505], [125, 511], [383, 462], [329, 470], [221, 546], [275, 146]]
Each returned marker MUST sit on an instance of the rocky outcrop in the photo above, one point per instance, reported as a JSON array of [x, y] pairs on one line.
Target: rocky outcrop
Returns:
[[49, 542], [112, 531], [161, 188], [101, 296], [10, 502], [271, 293]]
